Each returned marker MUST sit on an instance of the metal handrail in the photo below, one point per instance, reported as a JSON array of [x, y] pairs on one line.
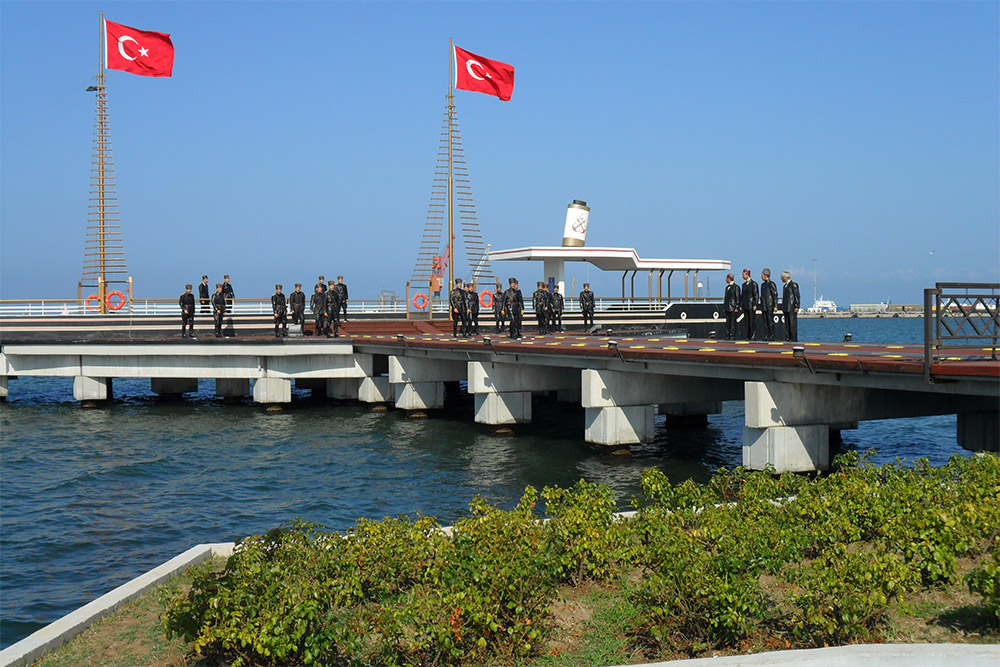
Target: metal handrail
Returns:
[[258, 306], [959, 313]]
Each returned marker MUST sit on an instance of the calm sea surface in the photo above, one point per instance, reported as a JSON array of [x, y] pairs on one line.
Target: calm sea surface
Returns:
[[92, 498]]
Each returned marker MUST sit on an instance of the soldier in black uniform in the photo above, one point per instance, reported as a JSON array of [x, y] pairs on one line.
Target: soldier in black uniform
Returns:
[[456, 301], [514, 304], [749, 298], [203, 294], [227, 289], [280, 308], [768, 301], [587, 305], [472, 303], [321, 284], [790, 303], [543, 308], [186, 303], [341, 288], [558, 303], [731, 305], [218, 308], [297, 302], [317, 304], [498, 308], [332, 311]]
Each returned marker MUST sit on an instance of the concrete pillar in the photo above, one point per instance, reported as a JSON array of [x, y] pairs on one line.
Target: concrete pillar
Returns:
[[375, 390], [173, 386], [344, 389], [232, 387], [419, 395], [618, 427], [979, 431], [272, 390], [509, 407], [88, 389], [787, 448], [420, 381], [3, 388]]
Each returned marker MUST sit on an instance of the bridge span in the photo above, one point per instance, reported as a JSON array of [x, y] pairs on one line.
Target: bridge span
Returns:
[[796, 395]]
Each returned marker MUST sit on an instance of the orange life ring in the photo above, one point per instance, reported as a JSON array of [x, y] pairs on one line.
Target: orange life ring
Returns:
[[420, 301], [112, 306], [484, 301], [89, 298]]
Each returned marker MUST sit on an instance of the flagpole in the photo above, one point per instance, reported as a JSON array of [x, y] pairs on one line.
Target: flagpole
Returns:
[[102, 283], [451, 215]]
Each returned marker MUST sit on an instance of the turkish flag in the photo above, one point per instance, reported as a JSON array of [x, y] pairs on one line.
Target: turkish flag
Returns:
[[483, 75], [137, 51]]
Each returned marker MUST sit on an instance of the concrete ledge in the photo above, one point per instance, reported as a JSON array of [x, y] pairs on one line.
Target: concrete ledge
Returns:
[[56, 634], [883, 655]]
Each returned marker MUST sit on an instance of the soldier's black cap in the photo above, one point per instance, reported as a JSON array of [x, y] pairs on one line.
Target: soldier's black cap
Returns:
[[188, 286], [277, 286], [298, 284]]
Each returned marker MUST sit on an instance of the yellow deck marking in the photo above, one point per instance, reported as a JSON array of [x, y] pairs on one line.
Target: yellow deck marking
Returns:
[[893, 356], [671, 347], [528, 342], [578, 345], [894, 347], [747, 351], [742, 342], [636, 347], [849, 345], [953, 358], [654, 340], [552, 343], [788, 352], [836, 354], [628, 338], [775, 343], [706, 349], [812, 344]]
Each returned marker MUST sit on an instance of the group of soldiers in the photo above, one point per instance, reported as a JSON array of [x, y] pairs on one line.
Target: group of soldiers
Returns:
[[328, 302], [508, 306], [749, 297]]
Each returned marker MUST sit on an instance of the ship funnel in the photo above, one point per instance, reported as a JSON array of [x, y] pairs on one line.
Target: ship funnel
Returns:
[[575, 231]]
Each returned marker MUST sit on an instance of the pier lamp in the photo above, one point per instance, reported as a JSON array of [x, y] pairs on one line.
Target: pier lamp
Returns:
[[613, 345], [848, 337], [402, 339], [799, 352], [488, 342], [711, 335]]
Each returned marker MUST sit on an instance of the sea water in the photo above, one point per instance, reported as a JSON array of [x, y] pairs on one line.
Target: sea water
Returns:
[[90, 498]]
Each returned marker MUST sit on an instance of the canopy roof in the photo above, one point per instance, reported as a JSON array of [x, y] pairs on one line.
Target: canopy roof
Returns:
[[608, 259]]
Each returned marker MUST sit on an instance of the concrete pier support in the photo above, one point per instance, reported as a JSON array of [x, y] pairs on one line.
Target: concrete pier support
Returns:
[[509, 407], [503, 390], [232, 388], [173, 386], [618, 427], [272, 390], [89, 389], [623, 393], [345, 389], [3, 388], [979, 431], [420, 381], [375, 390], [787, 448]]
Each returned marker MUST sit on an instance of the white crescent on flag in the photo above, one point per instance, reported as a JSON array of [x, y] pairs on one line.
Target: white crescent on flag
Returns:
[[121, 46]]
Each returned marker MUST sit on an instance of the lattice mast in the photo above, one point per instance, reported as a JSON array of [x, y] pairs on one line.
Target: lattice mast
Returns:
[[104, 251], [451, 190]]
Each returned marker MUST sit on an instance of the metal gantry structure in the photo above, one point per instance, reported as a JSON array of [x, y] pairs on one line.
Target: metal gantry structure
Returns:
[[451, 192], [104, 250]]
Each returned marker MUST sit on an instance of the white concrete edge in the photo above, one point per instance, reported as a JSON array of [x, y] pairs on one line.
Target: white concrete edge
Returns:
[[887, 655], [59, 632]]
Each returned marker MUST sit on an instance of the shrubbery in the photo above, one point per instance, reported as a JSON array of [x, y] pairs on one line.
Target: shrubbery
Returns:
[[691, 562]]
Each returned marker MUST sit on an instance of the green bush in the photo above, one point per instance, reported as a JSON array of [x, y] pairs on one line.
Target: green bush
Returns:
[[842, 596], [586, 536], [985, 580]]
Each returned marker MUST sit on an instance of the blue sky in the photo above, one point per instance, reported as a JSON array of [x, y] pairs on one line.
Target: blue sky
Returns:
[[300, 138]]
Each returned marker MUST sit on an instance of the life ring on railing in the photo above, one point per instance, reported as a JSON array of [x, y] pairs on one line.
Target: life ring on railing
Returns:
[[486, 299], [87, 302], [119, 304], [419, 300]]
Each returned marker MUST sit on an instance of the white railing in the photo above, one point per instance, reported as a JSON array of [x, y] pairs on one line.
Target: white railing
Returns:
[[167, 307]]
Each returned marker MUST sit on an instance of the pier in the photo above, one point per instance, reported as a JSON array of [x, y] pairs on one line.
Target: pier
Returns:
[[796, 395]]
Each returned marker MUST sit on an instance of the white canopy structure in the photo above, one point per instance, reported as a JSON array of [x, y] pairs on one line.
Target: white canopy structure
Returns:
[[554, 260]]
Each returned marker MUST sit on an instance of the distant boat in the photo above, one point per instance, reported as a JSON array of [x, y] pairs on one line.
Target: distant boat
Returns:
[[822, 305]]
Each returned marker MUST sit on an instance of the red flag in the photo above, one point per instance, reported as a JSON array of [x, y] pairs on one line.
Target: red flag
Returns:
[[137, 51], [482, 75]]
